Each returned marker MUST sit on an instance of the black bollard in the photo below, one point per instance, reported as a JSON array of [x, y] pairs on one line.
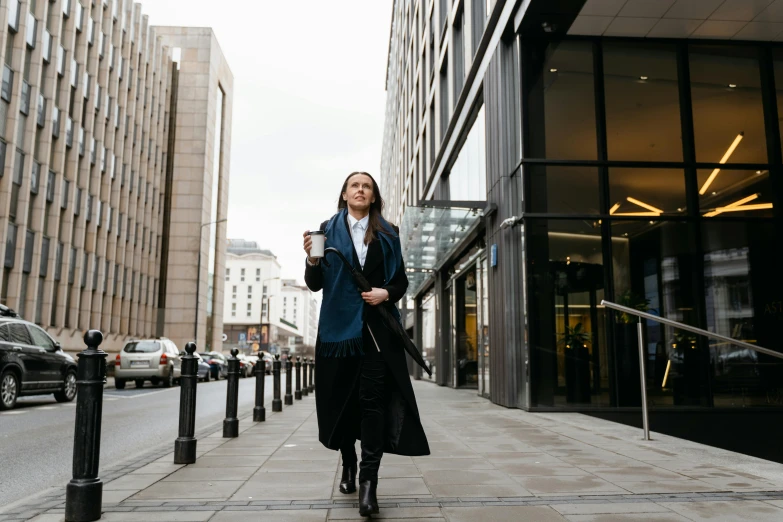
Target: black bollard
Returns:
[[277, 404], [289, 366], [305, 391], [231, 423], [84, 493], [298, 392], [259, 412], [185, 445], [312, 375]]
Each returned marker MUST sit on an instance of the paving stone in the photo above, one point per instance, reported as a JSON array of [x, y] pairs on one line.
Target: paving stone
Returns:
[[501, 514], [272, 516]]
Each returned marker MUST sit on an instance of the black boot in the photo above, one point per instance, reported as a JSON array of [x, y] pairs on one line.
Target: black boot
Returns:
[[368, 501], [348, 482]]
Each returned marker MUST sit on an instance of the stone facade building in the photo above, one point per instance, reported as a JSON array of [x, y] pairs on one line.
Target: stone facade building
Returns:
[[109, 130]]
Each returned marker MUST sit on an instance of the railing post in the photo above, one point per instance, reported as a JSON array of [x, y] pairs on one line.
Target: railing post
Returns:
[[277, 404], [84, 493], [289, 399], [298, 392], [645, 420], [311, 386], [305, 388], [185, 445], [231, 422], [259, 412]]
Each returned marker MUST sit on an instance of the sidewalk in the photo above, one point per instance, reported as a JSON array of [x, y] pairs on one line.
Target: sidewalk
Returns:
[[487, 463]]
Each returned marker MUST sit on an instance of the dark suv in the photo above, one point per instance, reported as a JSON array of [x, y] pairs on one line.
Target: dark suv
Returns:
[[31, 362]]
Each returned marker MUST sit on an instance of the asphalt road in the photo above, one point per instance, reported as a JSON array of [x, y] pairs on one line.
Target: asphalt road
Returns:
[[36, 438]]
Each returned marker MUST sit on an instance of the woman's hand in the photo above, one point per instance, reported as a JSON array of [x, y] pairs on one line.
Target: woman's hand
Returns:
[[375, 296], [308, 244]]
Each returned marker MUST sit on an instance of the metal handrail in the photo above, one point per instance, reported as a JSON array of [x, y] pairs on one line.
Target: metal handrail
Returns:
[[682, 326], [676, 324]]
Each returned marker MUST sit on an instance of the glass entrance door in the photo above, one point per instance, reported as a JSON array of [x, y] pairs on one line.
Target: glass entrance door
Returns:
[[467, 329], [483, 332]]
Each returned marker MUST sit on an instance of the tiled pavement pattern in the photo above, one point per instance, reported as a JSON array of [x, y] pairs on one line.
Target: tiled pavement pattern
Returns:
[[487, 463]]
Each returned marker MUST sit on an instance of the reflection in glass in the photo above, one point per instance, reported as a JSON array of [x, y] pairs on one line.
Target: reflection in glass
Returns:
[[778, 68], [728, 114], [642, 102], [568, 337], [653, 270], [484, 388], [467, 329], [468, 177], [646, 192], [736, 193], [563, 190], [429, 311], [743, 302], [565, 86]]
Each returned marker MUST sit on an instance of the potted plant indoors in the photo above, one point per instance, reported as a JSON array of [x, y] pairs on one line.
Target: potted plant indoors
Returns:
[[577, 363]]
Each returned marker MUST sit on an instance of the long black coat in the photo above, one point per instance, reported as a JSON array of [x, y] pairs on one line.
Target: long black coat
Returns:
[[337, 385]]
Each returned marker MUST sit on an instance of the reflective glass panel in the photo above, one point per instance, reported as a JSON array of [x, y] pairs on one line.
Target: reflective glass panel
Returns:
[[728, 114], [646, 192], [562, 190], [429, 312], [742, 302], [654, 267], [565, 92], [567, 338], [468, 177], [642, 102], [735, 193]]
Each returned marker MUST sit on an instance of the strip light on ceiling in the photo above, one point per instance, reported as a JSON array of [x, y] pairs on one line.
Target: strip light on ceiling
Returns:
[[741, 202], [760, 206], [644, 205], [723, 160]]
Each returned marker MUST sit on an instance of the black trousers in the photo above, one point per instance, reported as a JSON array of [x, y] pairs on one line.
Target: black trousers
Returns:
[[372, 405]]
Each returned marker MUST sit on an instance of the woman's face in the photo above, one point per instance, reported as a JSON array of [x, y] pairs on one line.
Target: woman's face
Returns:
[[359, 194]]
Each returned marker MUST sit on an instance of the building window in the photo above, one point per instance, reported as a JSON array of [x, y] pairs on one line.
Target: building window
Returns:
[[264, 290], [258, 275], [242, 275], [233, 309], [228, 274], [234, 292], [249, 292], [249, 309]]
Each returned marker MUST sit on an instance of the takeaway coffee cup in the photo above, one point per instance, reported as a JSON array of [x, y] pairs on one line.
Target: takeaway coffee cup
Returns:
[[317, 250]]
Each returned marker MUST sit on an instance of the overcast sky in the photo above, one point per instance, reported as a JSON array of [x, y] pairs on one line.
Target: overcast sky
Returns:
[[309, 103]]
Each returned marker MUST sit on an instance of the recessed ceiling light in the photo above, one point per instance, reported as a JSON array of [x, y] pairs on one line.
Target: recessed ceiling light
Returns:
[[758, 172], [679, 209], [552, 70], [714, 193], [732, 86], [642, 77]]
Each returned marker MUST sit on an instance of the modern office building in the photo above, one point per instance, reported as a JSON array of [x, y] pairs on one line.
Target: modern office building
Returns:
[[544, 156], [115, 144], [301, 309]]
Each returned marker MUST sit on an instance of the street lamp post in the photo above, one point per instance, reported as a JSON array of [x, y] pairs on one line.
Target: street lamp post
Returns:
[[268, 310], [198, 275]]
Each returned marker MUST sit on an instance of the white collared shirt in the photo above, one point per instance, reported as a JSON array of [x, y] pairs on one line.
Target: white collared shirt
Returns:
[[358, 230]]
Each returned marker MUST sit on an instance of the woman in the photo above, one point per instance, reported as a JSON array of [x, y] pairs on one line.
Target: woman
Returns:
[[363, 390]]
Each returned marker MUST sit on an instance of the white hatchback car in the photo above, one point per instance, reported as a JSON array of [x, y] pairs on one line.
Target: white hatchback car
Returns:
[[155, 360]]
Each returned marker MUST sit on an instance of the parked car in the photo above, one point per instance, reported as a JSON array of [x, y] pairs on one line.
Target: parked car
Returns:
[[246, 365], [218, 362], [31, 362], [204, 369], [155, 360]]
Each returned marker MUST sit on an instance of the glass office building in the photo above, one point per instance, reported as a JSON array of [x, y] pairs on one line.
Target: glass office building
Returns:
[[545, 156]]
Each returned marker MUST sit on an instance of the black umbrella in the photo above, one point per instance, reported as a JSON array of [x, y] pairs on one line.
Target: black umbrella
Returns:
[[386, 315]]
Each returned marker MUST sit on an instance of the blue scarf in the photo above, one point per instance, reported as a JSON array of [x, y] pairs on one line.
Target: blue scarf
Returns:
[[342, 307]]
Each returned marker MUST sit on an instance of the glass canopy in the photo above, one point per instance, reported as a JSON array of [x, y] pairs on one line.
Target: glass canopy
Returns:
[[429, 235]]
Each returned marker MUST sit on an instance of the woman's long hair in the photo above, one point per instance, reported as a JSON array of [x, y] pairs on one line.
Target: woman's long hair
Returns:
[[376, 207]]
